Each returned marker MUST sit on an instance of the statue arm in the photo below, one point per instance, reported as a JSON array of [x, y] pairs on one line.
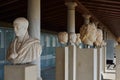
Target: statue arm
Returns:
[[10, 54]]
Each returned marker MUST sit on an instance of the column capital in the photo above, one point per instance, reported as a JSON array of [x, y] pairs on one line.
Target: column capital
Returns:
[[71, 5]]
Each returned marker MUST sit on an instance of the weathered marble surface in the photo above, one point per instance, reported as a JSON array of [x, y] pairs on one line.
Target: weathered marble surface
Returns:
[[63, 37], [72, 38], [23, 48], [88, 33], [99, 38], [78, 40]]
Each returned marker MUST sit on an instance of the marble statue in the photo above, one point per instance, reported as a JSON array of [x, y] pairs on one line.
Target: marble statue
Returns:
[[78, 40], [63, 37], [72, 38], [99, 38], [103, 43], [88, 33], [23, 48]]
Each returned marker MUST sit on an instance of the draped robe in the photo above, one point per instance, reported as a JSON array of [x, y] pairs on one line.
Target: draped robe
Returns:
[[26, 51]]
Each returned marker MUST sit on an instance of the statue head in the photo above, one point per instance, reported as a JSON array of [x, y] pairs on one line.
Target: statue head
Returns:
[[20, 26], [63, 37], [72, 38], [78, 40]]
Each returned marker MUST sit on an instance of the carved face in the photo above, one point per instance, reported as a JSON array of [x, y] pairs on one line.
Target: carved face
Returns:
[[19, 28], [63, 37], [72, 37]]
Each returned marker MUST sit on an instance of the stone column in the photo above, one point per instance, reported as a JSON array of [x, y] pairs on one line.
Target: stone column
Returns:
[[86, 18], [71, 16], [34, 28]]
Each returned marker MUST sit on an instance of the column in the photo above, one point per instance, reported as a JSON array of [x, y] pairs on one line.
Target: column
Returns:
[[72, 49], [34, 28], [86, 18], [71, 16]]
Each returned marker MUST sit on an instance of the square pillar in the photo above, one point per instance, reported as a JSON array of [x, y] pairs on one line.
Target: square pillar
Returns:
[[99, 63], [20, 72], [86, 64], [61, 63], [118, 62], [104, 59]]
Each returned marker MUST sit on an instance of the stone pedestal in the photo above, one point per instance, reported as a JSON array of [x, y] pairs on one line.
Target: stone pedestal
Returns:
[[86, 64], [62, 63], [118, 62], [20, 72], [104, 59], [73, 63], [99, 63]]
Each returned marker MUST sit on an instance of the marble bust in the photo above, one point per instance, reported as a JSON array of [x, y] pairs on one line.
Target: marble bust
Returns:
[[23, 49], [78, 40], [88, 33], [72, 38], [63, 37], [99, 38]]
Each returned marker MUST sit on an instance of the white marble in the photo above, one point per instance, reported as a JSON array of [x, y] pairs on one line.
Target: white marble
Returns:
[[23, 48], [88, 33], [99, 38], [72, 38], [63, 37], [78, 40]]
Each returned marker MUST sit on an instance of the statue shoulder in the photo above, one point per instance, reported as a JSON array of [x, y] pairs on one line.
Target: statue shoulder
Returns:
[[34, 40]]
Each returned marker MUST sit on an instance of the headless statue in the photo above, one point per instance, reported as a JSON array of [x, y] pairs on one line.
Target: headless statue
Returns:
[[23, 48], [88, 33]]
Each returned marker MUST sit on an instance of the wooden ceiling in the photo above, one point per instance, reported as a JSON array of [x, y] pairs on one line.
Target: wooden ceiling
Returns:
[[107, 12], [54, 13]]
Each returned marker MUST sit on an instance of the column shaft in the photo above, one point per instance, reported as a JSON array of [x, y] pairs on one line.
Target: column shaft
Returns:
[[34, 28], [71, 16]]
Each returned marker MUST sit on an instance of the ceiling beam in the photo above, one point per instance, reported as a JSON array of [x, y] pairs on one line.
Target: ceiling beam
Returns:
[[114, 2], [80, 8], [101, 4], [104, 11], [102, 7], [95, 12], [8, 2]]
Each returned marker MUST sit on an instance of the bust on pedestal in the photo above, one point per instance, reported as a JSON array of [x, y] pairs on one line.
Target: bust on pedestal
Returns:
[[23, 49]]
